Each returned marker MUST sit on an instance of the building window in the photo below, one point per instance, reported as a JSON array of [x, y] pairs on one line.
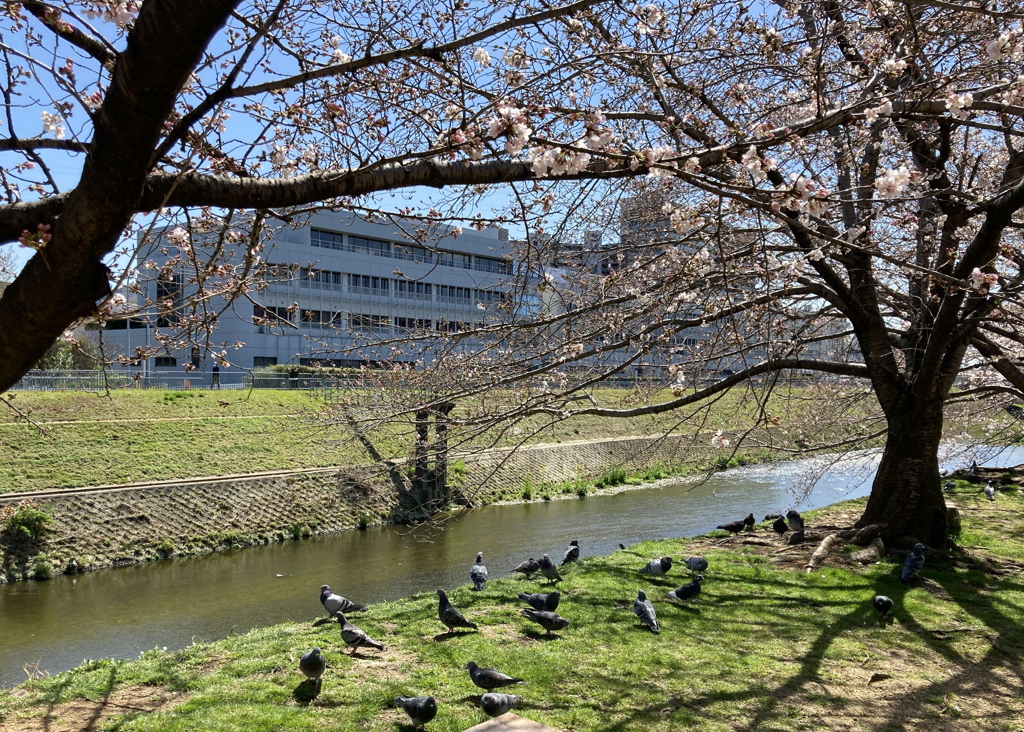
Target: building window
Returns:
[[451, 326], [325, 239], [368, 323], [489, 264], [367, 285], [168, 299], [261, 362], [369, 246], [463, 295], [453, 259], [413, 324], [164, 362], [491, 297], [413, 253], [413, 290]]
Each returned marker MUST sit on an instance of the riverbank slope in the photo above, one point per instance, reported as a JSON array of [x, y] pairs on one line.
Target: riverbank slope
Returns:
[[767, 647]]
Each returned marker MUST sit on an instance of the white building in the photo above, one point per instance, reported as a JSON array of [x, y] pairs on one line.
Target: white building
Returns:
[[355, 283]]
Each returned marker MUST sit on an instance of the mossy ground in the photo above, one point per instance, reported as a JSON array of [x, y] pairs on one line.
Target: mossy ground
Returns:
[[766, 647]]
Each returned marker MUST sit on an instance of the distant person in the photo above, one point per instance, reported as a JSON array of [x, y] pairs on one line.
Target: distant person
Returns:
[[137, 376], [215, 379]]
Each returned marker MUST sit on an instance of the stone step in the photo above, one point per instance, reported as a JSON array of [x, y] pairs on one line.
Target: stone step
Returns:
[[510, 722]]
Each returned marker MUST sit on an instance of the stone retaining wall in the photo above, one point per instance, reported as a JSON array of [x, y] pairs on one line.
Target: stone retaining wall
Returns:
[[136, 524]]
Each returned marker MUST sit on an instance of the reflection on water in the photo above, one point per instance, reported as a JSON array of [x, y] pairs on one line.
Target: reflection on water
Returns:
[[122, 612]]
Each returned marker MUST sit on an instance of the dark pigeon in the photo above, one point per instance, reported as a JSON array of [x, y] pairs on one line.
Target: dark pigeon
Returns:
[[572, 553], [478, 572], [645, 611], [882, 604], [950, 485], [541, 600], [657, 567], [780, 526], [733, 527], [689, 591], [354, 636], [749, 521], [421, 709], [622, 546], [488, 678], [990, 491], [496, 704], [773, 516], [333, 603], [549, 570], [973, 471], [796, 521], [697, 564], [528, 567], [549, 621], [449, 616], [313, 665], [913, 564]]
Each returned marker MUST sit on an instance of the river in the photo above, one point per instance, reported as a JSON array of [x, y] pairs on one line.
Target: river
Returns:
[[119, 613]]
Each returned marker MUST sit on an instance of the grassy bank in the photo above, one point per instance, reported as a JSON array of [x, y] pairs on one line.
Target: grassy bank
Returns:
[[767, 647], [132, 436]]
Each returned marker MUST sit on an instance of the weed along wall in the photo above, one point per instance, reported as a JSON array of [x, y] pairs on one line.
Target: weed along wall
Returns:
[[124, 525]]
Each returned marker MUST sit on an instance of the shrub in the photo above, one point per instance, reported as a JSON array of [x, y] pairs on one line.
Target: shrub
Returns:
[[28, 522], [44, 570], [612, 477]]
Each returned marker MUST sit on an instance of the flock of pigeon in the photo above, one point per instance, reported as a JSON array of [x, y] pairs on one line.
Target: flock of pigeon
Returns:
[[542, 610]]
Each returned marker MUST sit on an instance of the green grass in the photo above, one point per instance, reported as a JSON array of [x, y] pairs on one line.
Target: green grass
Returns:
[[765, 648]]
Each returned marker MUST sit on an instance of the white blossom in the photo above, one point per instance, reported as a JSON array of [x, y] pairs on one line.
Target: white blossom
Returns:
[[52, 123], [892, 182], [957, 103], [871, 114], [482, 58], [894, 66]]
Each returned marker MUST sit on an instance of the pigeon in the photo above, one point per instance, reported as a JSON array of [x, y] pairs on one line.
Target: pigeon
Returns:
[[549, 621], [882, 604], [549, 570], [657, 567], [796, 521], [572, 553], [488, 678], [780, 526], [697, 564], [973, 472], [421, 709], [333, 603], [528, 567], [645, 611], [749, 521], [478, 572], [950, 485], [689, 591], [772, 516], [622, 546], [913, 563], [990, 491], [496, 704], [449, 616], [354, 636], [734, 527], [313, 665], [541, 601]]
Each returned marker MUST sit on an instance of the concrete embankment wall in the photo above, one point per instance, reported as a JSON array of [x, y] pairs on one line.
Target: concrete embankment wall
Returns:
[[130, 524]]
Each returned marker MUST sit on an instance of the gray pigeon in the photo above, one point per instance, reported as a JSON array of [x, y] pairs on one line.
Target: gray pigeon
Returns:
[[796, 521], [541, 600], [697, 564], [449, 616], [645, 611], [313, 665], [549, 621], [528, 567], [733, 527], [421, 709], [488, 678], [950, 485], [990, 491], [689, 591], [333, 603], [478, 572], [973, 471], [354, 636], [495, 704], [772, 516], [549, 570], [882, 604], [913, 564], [572, 553], [780, 526], [657, 567]]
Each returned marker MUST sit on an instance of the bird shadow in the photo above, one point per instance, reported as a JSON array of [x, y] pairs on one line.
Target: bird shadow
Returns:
[[473, 699], [441, 637], [306, 691], [323, 621], [684, 606], [538, 636]]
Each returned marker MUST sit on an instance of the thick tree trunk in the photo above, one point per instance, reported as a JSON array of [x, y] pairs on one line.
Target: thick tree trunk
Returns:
[[906, 495]]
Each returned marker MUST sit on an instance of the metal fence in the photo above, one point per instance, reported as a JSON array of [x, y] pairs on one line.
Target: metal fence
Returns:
[[38, 380]]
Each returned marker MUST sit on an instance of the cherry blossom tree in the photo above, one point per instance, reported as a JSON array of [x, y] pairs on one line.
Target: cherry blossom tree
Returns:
[[818, 172]]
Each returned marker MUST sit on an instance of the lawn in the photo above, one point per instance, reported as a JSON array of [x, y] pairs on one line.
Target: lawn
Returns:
[[766, 647]]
